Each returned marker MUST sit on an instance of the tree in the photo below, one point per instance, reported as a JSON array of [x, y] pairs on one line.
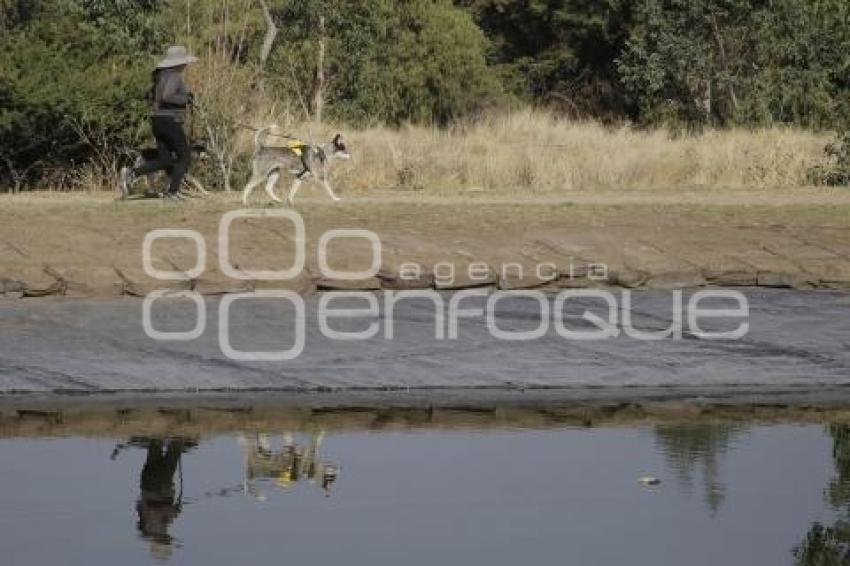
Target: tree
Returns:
[[438, 66], [72, 66], [414, 60], [560, 52], [689, 448], [830, 545], [801, 64], [753, 62]]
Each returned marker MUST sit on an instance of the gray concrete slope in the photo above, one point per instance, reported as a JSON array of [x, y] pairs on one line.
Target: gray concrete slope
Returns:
[[796, 339]]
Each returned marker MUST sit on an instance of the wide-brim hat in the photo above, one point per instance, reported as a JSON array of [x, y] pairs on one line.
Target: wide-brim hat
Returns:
[[175, 56]]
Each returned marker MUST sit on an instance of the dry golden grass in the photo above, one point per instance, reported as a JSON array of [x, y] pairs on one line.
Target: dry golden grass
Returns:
[[526, 151], [535, 151]]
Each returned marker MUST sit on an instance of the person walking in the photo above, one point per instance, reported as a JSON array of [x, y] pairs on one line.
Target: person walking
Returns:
[[171, 98]]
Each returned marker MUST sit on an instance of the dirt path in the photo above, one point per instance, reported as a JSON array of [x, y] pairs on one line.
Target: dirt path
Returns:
[[90, 245]]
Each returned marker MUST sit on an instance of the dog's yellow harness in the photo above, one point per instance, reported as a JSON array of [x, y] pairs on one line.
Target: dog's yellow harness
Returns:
[[296, 146]]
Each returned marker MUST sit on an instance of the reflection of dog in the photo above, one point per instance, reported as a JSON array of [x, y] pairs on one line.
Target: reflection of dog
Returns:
[[287, 465], [152, 154], [299, 159]]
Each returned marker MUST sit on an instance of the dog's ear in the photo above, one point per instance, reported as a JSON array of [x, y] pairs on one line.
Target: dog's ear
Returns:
[[338, 142]]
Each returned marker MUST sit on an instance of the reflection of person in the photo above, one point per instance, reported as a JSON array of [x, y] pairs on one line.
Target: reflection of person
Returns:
[[170, 99], [159, 504]]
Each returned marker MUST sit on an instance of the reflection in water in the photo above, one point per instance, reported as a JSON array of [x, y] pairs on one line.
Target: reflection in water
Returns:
[[838, 492], [825, 546], [830, 545], [287, 465], [278, 462], [692, 447], [160, 502]]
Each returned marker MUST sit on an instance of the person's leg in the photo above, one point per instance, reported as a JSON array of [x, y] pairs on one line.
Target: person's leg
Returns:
[[146, 166], [179, 146], [163, 160]]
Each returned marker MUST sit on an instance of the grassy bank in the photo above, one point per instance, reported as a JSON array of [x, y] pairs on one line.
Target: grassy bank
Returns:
[[88, 244], [535, 151], [528, 151]]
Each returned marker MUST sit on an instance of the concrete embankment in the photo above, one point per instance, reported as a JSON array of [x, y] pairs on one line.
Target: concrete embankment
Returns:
[[796, 344]]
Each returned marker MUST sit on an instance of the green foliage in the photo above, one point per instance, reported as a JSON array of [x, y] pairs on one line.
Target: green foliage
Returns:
[[801, 57], [357, 54], [825, 546], [416, 60], [83, 66], [830, 545], [560, 52], [72, 77], [15, 13], [836, 170], [668, 61], [754, 62], [438, 70]]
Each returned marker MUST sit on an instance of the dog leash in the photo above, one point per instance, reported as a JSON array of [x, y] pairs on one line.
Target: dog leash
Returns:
[[534, 145], [255, 129]]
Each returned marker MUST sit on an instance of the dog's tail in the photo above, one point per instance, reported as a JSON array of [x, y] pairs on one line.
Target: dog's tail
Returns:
[[261, 135]]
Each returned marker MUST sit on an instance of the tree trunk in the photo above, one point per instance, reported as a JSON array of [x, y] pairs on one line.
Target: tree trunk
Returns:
[[18, 177], [271, 33], [319, 84], [733, 98], [189, 23]]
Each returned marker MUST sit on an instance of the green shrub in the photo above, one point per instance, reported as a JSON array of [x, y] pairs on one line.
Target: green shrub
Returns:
[[74, 76], [836, 170], [410, 61]]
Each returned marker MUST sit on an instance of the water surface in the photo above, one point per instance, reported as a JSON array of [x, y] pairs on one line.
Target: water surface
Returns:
[[729, 494]]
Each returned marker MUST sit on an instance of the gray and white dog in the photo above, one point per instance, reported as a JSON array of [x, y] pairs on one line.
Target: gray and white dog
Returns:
[[302, 160]]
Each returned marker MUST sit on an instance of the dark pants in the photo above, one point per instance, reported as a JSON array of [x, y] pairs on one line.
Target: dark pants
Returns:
[[174, 153]]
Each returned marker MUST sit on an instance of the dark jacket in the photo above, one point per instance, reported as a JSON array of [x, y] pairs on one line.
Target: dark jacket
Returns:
[[170, 95]]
